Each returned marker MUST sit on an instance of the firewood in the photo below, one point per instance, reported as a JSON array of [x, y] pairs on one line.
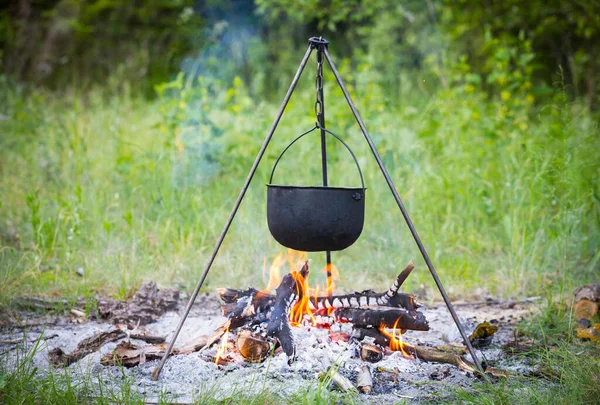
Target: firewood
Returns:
[[85, 347], [364, 383], [278, 325], [371, 352], [264, 302], [398, 318], [434, 355], [252, 346], [390, 298]]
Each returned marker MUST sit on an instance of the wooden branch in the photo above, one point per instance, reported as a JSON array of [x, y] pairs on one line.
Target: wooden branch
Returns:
[[147, 337], [435, 355]]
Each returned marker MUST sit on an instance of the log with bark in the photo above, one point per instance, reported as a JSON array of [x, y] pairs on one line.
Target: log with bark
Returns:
[[87, 346]]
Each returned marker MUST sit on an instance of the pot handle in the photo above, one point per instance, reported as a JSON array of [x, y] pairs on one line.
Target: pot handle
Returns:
[[330, 133]]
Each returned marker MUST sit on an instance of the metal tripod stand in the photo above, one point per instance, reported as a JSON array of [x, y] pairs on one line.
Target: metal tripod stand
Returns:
[[321, 46]]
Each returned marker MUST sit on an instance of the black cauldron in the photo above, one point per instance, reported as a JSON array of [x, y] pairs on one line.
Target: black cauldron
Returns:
[[315, 218]]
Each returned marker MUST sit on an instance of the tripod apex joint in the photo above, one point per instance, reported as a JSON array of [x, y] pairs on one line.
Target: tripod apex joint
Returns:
[[316, 42]]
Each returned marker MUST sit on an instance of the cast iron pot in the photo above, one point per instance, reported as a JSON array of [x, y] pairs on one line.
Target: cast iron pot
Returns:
[[315, 218]]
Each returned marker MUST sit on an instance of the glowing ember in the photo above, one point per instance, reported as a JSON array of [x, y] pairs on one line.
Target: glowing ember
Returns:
[[396, 342], [222, 347]]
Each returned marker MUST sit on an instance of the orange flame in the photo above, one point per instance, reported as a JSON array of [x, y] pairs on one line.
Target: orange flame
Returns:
[[222, 346], [396, 342], [295, 260]]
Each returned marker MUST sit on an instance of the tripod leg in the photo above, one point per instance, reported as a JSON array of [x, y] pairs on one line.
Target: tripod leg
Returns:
[[413, 231], [286, 99]]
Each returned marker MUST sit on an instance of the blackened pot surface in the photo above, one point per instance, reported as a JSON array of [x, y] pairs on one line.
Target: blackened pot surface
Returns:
[[314, 219]]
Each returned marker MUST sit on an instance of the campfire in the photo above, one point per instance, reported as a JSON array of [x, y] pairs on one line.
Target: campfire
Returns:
[[276, 320], [262, 321]]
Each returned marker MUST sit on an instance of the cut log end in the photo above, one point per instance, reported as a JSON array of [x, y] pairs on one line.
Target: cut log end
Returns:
[[253, 347]]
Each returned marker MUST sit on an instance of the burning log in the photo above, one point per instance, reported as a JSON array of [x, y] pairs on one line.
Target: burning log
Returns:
[[392, 318], [262, 302], [279, 325]]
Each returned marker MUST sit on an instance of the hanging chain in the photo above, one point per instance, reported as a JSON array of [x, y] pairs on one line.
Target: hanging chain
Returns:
[[319, 88]]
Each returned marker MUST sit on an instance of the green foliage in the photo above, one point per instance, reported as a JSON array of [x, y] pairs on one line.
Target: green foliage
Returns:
[[563, 35], [67, 42]]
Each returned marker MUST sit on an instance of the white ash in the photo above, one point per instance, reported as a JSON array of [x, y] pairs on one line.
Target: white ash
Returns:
[[185, 377]]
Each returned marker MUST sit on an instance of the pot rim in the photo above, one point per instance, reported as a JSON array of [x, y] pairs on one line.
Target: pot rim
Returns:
[[316, 187]]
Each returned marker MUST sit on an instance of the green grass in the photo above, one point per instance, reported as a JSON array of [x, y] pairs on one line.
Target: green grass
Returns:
[[22, 383], [504, 195], [568, 368]]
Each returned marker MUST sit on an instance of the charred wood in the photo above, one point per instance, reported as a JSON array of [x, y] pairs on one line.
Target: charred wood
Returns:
[[85, 347], [278, 325], [262, 302], [391, 318]]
